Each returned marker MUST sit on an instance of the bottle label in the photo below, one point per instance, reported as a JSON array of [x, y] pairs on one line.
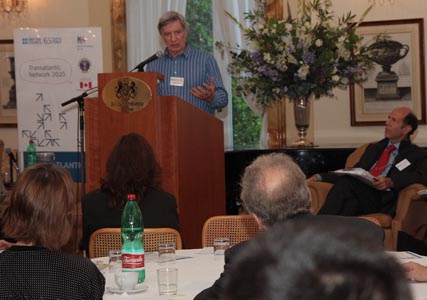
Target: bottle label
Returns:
[[134, 261]]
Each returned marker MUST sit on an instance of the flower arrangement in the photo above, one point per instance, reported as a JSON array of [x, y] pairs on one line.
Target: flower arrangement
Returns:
[[298, 57]]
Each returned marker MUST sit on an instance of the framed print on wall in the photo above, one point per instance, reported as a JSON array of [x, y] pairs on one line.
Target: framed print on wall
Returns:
[[397, 78], [7, 85]]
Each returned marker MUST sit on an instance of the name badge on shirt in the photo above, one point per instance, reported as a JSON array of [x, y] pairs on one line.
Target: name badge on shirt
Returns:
[[403, 164], [177, 81]]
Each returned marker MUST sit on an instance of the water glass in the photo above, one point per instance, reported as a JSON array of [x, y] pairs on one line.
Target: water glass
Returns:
[[220, 245], [167, 280], [166, 252], [115, 261]]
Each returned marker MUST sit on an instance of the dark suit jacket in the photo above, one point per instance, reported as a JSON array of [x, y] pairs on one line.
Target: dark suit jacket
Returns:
[[158, 209], [359, 224], [416, 172]]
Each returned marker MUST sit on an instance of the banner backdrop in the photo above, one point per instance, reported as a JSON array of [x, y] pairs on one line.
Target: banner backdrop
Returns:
[[51, 67]]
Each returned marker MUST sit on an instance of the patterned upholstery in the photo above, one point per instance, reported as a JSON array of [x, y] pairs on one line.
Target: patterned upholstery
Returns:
[[237, 227], [105, 239]]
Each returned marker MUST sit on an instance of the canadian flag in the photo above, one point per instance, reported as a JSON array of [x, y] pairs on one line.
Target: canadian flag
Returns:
[[85, 84]]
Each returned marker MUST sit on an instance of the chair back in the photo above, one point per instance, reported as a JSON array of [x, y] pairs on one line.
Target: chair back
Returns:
[[105, 239], [372, 219], [354, 157], [236, 227]]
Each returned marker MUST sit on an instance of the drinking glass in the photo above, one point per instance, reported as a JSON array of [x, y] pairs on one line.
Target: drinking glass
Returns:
[[220, 245], [115, 261], [166, 252], [167, 280]]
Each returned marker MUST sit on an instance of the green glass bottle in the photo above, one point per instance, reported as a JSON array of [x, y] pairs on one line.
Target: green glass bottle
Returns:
[[133, 259], [30, 155]]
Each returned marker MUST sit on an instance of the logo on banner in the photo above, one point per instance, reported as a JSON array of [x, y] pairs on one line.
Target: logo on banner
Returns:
[[81, 39], [85, 84], [84, 65], [31, 41]]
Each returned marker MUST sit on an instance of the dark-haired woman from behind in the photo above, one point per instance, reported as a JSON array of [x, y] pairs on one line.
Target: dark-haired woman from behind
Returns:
[[131, 168]]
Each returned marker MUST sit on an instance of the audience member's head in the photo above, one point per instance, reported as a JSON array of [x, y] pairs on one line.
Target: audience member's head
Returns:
[[296, 261], [38, 210], [274, 189], [131, 168]]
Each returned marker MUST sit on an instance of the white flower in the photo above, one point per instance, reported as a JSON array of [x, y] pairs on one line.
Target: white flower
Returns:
[[303, 71], [318, 43], [283, 56]]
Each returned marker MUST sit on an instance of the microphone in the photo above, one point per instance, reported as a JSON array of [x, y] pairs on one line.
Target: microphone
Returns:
[[81, 97], [11, 155], [12, 159], [140, 67], [75, 99]]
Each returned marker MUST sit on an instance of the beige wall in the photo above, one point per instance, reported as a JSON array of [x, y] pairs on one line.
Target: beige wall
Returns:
[[332, 116], [60, 14]]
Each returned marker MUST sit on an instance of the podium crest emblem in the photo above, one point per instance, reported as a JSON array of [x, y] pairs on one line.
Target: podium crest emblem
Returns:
[[126, 94]]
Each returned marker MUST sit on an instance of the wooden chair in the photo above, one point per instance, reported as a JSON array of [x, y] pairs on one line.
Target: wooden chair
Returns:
[[411, 210], [105, 239], [236, 227]]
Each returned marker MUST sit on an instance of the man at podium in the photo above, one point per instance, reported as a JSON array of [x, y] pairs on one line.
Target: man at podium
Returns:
[[191, 74]]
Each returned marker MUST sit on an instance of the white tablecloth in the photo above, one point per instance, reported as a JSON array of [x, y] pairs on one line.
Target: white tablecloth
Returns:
[[197, 270], [419, 289]]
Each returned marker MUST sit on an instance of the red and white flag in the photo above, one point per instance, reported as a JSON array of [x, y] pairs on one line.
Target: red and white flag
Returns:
[[85, 84]]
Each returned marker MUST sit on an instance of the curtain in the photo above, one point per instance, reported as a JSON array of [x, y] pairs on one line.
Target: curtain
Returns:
[[226, 30], [143, 39]]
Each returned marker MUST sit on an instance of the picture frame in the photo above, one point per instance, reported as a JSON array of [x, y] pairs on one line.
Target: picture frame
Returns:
[[8, 112], [398, 76]]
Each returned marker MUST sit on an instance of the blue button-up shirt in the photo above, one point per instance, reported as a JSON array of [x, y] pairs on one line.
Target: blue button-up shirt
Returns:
[[195, 67]]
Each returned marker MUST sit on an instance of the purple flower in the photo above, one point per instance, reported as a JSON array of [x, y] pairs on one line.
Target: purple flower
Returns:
[[256, 56], [309, 57]]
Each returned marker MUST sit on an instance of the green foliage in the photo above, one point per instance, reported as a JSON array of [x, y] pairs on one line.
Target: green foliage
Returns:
[[246, 125], [199, 15]]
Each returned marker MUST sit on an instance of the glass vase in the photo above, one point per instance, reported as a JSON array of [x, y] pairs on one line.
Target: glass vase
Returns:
[[302, 120]]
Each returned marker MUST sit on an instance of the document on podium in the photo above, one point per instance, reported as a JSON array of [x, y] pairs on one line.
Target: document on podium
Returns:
[[358, 173]]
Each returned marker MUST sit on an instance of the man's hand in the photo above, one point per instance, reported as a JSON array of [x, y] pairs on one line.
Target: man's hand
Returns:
[[205, 91], [382, 183], [415, 271]]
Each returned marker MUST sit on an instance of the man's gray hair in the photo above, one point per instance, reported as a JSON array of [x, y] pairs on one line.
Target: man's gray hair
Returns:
[[274, 188], [169, 17]]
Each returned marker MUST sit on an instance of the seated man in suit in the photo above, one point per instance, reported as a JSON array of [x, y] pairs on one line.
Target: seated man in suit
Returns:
[[296, 261], [274, 190], [394, 162]]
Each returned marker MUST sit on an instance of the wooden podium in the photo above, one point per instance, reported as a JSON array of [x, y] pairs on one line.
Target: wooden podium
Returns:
[[188, 143]]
